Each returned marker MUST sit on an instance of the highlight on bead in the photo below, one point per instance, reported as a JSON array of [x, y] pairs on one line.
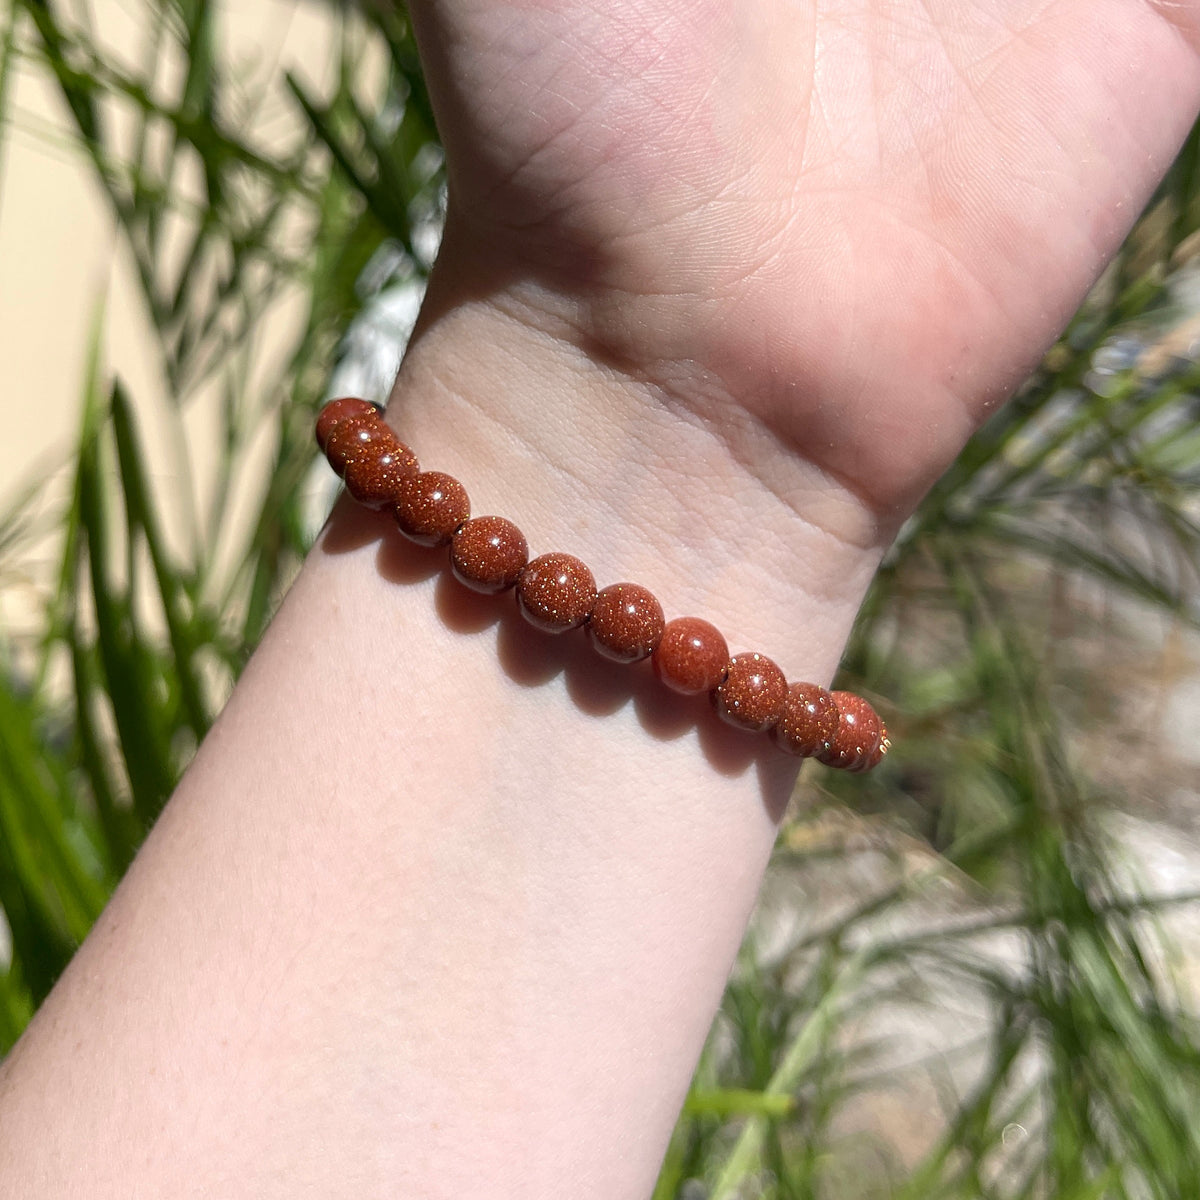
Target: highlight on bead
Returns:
[[488, 554], [556, 592], [624, 621], [338, 410], [752, 694], [809, 721], [356, 437], [858, 736], [429, 506], [692, 656], [626, 624], [375, 474]]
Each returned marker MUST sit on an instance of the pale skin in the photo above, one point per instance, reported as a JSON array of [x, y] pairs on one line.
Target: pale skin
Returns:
[[444, 907]]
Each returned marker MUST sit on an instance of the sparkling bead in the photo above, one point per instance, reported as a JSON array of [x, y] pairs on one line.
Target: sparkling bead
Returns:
[[809, 721], [753, 693], [556, 592], [430, 507], [375, 474], [692, 656], [858, 735], [488, 554], [338, 410], [627, 623], [354, 437], [871, 761]]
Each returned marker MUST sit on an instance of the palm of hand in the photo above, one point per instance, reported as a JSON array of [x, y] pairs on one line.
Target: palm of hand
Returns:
[[860, 221]]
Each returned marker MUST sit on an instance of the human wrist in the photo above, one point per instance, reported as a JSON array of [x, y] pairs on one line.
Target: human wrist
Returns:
[[593, 458]]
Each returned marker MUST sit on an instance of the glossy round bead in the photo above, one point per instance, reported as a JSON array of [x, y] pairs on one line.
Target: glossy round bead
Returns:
[[430, 507], [556, 592], [374, 475], [692, 656], [870, 761], [338, 410], [627, 623], [858, 735], [488, 554], [753, 693], [809, 721], [355, 437]]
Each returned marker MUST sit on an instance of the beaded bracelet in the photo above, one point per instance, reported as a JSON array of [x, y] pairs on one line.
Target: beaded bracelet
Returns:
[[557, 592]]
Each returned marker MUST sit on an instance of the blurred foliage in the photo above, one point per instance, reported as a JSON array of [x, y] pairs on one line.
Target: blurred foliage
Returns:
[[1089, 481]]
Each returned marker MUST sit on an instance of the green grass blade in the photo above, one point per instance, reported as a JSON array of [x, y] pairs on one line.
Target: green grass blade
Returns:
[[142, 518], [386, 208], [121, 831], [78, 89], [35, 815], [16, 1007], [818, 1026], [8, 45], [128, 668]]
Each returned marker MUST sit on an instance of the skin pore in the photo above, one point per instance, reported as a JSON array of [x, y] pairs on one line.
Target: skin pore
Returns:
[[444, 907]]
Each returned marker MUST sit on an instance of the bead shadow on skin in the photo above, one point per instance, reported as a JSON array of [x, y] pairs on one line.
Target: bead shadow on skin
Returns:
[[351, 527], [462, 610], [777, 777], [601, 688], [667, 715], [733, 751], [597, 687], [528, 656], [402, 562]]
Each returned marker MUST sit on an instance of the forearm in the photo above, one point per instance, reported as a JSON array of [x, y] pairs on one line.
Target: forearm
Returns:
[[445, 906]]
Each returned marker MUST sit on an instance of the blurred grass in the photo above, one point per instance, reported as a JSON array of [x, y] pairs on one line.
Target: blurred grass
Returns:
[[1084, 1076]]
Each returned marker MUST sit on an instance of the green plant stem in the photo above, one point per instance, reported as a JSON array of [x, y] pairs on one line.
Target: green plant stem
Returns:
[[796, 1059]]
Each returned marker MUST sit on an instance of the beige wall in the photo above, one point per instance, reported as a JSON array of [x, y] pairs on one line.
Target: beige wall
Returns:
[[61, 259]]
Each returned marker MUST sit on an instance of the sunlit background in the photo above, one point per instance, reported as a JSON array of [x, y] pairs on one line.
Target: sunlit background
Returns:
[[974, 974]]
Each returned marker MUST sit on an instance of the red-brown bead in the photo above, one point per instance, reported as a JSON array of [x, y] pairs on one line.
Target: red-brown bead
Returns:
[[871, 761], [357, 436], [627, 623], [556, 592], [430, 507], [809, 721], [338, 410], [488, 554], [692, 656], [375, 474], [752, 694], [858, 735]]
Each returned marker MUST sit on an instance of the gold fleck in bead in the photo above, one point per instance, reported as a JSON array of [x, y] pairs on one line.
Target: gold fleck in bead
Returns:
[[338, 410], [626, 623], [871, 761], [488, 554], [753, 693], [858, 735], [691, 657], [556, 592], [430, 507], [809, 721], [356, 436], [375, 473]]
